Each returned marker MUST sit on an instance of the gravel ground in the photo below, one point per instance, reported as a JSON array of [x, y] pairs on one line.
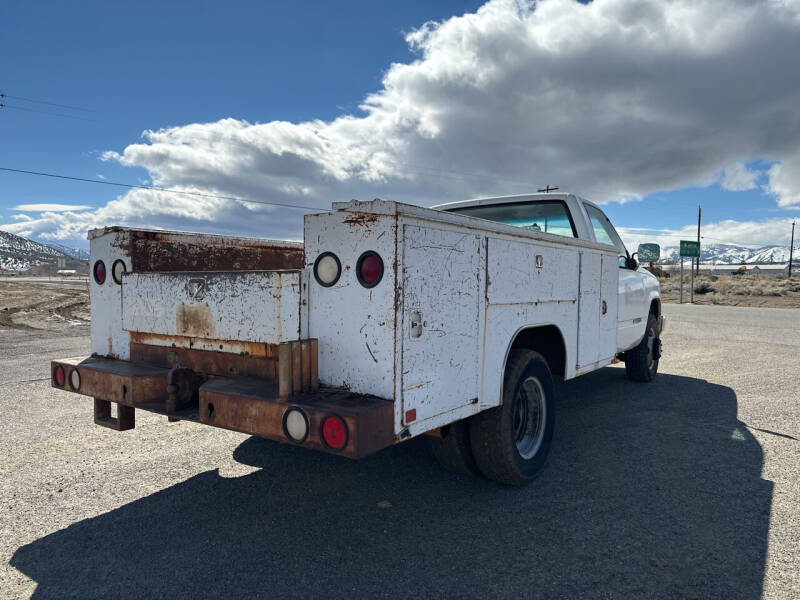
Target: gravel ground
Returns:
[[684, 488]]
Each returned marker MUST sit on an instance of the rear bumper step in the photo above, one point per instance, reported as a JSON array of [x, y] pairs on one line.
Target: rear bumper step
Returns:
[[245, 404]]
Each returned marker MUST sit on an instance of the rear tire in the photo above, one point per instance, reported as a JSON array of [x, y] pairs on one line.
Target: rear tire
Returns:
[[641, 362], [453, 450], [510, 443]]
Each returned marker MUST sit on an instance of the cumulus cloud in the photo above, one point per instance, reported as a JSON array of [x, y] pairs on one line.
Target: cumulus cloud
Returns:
[[614, 99], [738, 178], [50, 207]]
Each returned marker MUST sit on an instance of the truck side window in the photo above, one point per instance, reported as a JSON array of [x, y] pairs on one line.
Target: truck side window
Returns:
[[604, 231], [549, 216]]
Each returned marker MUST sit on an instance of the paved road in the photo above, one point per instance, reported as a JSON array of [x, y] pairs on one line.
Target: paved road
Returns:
[[683, 488]]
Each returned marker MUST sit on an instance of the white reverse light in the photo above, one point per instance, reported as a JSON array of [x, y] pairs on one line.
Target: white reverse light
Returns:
[[295, 425], [327, 269]]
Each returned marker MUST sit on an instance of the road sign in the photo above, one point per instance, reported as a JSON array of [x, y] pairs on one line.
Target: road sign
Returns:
[[689, 248]]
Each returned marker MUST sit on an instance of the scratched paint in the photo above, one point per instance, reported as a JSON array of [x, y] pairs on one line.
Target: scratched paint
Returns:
[[251, 306], [441, 285]]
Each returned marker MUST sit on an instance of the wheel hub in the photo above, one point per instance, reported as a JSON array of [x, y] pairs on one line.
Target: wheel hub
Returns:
[[530, 412]]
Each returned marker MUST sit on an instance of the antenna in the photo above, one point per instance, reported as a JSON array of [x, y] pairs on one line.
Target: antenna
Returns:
[[548, 189]]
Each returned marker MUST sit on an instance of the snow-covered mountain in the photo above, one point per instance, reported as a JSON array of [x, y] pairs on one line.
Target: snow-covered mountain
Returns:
[[733, 255], [78, 253], [20, 254]]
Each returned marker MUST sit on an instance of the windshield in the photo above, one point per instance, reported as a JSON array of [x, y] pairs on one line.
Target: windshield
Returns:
[[550, 216]]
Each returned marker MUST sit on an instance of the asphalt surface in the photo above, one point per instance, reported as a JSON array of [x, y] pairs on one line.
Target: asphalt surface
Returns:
[[687, 487]]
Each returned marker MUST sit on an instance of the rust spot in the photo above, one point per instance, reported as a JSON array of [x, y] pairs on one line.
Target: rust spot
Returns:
[[361, 219], [194, 320], [154, 251]]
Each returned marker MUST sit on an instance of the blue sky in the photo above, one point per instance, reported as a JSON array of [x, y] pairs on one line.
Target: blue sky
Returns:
[[151, 65]]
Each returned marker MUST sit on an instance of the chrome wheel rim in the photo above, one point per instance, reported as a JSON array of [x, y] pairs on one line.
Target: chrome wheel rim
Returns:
[[529, 417]]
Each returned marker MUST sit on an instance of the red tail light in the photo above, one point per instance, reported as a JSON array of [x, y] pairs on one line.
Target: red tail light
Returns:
[[369, 269], [59, 376], [99, 272], [334, 433]]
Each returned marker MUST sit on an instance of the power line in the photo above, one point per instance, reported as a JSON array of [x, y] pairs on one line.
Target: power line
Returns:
[[44, 102], [45, 112], [160, 189]]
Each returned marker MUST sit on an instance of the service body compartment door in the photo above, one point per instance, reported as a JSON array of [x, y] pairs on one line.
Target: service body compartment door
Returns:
[[589, 309], [441, 327], [609, 294], [597, 317]]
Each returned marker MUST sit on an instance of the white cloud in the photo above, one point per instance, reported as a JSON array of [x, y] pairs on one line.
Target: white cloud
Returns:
[[614, 99], [51, 207], [784, 182], [738, 178], [752, 234]]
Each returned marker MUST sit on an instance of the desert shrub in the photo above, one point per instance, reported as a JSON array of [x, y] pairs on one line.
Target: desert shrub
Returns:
[[703, 286]]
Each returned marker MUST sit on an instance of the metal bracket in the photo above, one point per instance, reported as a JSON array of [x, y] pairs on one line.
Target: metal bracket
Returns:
[[125, 419], [183, 387]]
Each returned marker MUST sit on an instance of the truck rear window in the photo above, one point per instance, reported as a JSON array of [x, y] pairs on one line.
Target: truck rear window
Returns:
[[550, 216]]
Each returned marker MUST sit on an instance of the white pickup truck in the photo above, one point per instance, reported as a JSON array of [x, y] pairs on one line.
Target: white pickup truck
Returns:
[[388, 322]]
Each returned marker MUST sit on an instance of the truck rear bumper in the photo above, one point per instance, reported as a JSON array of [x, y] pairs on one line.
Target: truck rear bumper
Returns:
[[246, 404]]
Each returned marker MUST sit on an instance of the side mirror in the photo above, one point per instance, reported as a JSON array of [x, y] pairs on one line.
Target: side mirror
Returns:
[[648, 253]]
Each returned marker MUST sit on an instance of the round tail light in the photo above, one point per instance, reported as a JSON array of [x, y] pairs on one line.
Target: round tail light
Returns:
[[99, 272], [117, 271], [75, 380], [295, 425], [334, 433], [369, 269], [59, 376], [327, 269]]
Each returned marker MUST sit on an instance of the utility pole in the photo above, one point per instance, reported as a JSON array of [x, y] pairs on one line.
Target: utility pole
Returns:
[[697, 271], [791, 251]]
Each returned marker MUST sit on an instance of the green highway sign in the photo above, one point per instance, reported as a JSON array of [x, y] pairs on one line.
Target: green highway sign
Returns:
[[689, 248]]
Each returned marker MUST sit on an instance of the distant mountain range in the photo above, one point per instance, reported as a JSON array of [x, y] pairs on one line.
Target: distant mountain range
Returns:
[[78, 253], [21, 254], [734, 255]]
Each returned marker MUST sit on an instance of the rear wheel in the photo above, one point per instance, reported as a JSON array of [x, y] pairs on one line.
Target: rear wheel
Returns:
[[510, 443], [453, 450], [641, 362]]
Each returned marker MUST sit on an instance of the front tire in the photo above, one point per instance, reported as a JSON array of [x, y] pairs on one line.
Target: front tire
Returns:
[[641, 362], [510, 443]]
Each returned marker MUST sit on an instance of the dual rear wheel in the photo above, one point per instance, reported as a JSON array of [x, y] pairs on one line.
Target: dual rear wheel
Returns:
[[508, 443]]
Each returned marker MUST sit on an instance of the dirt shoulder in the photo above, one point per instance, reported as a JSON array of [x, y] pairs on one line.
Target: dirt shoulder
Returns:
[[767, 291], [47, 306]]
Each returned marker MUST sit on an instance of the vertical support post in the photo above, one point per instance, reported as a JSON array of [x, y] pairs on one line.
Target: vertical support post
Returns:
[[305, 353], [691, 293], [297, 368], [285, 370], [681, 280], [314, 365]]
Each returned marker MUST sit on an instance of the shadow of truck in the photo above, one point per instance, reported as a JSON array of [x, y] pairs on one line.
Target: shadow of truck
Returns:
[[652, 491]]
